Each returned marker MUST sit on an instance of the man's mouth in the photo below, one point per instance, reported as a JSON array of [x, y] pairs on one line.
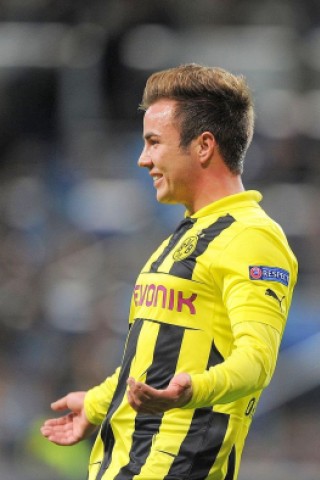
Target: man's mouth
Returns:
[[156, 178]]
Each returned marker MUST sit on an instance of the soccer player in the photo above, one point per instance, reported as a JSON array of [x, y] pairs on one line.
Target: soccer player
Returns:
[[209, 308]]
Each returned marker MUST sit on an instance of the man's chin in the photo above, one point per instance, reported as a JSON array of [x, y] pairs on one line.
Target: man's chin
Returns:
[[166, 200]]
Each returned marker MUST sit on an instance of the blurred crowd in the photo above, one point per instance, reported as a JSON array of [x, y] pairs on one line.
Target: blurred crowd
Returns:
[[78, 219]]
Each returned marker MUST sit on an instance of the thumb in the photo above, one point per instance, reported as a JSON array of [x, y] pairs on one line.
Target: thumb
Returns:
[[180, 389], [60, 404], [182, 380]]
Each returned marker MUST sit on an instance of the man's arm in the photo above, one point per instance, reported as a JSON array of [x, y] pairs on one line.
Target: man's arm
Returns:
[[249, 368]]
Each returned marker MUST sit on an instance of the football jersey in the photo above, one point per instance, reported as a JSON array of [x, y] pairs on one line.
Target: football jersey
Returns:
[[212, 301]]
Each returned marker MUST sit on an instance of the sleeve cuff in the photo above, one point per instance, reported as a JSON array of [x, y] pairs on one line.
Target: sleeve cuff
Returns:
[[94, 417], [202, 390]]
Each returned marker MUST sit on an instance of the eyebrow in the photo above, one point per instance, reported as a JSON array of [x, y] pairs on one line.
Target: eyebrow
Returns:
[[148, 135]]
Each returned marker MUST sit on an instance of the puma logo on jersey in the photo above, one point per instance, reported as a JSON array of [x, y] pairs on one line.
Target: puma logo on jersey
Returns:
[[271, 293]]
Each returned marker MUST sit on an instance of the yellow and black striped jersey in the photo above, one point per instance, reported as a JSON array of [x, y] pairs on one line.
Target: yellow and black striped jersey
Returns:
[[211, 301]]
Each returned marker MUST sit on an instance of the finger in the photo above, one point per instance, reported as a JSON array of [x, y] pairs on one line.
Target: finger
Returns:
[[63, 432], [142, 395], [131, 382], [60, 434], [52, 426], [143, 391], [181, 381], [136, 403], [60, 438], [146, 404], [60, 404], [46, 431], [132, 400], [51, 422]]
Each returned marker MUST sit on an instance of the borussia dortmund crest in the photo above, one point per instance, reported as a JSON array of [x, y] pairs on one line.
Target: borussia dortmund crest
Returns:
[[187, 247]]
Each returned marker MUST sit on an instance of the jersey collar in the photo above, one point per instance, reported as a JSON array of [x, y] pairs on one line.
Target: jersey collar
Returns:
[[238, 200]]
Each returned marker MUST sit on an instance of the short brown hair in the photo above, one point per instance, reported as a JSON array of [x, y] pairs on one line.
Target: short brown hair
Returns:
[[209, 99]]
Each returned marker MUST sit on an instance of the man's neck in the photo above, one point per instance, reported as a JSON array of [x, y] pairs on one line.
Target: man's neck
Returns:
[[214, 188]]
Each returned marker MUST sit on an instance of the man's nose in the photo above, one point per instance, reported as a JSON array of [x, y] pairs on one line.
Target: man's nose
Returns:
[[144, 160]]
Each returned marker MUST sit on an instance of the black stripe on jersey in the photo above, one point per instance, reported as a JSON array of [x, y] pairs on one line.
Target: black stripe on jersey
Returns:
[[106, 431], [215, 356], [201, 446], [204, 439], [184, 268], [231, 464], [182, 228], [159, 374], [213, 440]]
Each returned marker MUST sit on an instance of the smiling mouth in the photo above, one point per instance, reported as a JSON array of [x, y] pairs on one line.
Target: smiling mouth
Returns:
[[156, 179]]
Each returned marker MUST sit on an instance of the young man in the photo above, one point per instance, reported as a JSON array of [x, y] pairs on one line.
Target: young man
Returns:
[[209, 307]]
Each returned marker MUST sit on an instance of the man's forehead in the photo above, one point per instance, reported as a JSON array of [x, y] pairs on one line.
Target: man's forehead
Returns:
[[163, 109]]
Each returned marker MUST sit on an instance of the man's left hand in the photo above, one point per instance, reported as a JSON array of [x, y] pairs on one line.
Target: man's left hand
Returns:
[[146, 399]]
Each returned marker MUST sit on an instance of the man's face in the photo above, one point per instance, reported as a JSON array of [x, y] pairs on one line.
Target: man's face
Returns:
[[172, 168]]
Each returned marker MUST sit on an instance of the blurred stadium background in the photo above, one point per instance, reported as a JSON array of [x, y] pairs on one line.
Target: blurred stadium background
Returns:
[[78, 218]]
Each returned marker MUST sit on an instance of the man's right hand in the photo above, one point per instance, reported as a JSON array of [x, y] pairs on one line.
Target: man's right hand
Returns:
[[72, 427]]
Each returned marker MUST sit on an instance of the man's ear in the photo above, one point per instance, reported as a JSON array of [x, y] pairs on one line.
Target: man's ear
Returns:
[[206, 147]]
